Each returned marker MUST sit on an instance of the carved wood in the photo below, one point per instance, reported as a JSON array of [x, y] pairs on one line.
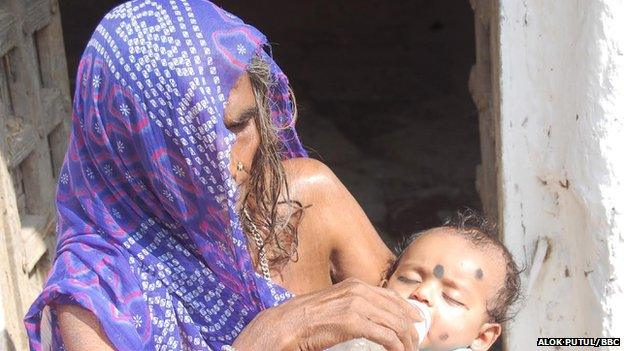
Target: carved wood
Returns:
[[34, 119]]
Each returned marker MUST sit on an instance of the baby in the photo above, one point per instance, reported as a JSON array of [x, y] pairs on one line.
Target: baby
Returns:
[[464, 276]]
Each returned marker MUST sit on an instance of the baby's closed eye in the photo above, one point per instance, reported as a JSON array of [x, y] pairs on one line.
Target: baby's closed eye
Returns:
[[408, 280], [453, 301]]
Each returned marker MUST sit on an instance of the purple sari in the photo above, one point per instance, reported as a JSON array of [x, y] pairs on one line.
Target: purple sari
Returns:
[[149, 239]]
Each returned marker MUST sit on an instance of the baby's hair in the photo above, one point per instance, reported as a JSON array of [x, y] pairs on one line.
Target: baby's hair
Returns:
[[482, 233]]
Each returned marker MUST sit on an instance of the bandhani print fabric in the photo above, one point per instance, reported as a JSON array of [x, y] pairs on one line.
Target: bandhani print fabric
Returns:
[[149, 239]]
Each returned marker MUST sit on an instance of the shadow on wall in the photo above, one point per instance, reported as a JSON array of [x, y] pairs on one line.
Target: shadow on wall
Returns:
[[5, 341], [382, 89]]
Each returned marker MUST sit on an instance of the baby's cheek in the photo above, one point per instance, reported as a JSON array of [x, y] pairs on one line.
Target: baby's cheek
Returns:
[[444, 332], [448, 331]]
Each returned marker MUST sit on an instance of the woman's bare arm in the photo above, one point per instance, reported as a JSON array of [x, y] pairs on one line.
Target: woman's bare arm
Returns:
[[81, 330], [357, 250]]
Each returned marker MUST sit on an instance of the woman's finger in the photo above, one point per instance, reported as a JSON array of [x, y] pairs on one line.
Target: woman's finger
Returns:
[[385, 298], [402, 327], [384, 310], [398, 302]]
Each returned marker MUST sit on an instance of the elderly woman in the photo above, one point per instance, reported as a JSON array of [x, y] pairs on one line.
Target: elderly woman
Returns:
[[189, 216]]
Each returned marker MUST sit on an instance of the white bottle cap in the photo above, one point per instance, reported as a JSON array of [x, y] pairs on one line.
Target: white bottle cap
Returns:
[[422, 327]]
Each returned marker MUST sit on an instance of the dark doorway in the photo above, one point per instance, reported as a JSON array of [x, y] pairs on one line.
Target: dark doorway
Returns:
[[383, 95]]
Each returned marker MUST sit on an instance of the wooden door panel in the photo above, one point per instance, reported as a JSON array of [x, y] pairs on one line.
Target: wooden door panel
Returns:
[[35, 113]]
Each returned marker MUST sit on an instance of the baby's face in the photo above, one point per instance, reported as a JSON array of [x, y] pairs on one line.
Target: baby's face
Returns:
[[455, 280]]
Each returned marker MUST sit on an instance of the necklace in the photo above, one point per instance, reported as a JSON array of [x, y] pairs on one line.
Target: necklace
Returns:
[[264, 262]]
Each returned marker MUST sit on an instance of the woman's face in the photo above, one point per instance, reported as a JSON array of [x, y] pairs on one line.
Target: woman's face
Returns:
[[240, 118]]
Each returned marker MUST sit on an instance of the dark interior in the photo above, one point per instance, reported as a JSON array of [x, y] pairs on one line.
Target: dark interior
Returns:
[[382, 91]]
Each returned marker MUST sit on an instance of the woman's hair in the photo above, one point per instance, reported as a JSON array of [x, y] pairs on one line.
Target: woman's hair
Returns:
[[482, 233], [267, 189]]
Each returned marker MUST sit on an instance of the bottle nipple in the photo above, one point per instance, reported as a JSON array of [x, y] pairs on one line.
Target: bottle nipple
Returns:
[[423, 326]]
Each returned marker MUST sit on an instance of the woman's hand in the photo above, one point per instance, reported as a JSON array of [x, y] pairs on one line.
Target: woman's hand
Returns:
[[350, 309]]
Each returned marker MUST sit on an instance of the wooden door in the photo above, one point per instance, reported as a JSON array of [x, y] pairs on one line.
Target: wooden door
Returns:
[[484, 88], [34, 118]]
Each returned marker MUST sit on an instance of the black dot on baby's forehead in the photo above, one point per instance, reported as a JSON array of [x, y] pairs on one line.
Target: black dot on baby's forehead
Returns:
[[479, 274], [438, 271]]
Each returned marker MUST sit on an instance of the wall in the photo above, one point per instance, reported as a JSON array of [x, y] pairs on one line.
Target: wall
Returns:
[[3, 333], [561, 173]]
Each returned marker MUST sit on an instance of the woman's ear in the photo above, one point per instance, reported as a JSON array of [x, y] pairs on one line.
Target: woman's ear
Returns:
[[488, 333]]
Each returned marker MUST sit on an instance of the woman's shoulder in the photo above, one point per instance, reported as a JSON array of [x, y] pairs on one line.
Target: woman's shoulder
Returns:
[[309, 178], [305, 166], [356, 248]]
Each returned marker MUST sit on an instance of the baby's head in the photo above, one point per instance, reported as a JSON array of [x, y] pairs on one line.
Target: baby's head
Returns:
[[467, 278]]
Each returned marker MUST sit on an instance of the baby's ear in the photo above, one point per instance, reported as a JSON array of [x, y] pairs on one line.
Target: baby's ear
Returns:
[[488, 333]]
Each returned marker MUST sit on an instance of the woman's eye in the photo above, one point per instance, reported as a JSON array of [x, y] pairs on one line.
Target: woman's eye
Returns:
[[238, 126]]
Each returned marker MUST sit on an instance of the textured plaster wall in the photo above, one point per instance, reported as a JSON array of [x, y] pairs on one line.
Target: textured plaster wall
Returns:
[[562, 164], [3, 340]]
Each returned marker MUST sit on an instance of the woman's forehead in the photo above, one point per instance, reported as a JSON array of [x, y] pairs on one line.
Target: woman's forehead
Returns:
[[241, 98]]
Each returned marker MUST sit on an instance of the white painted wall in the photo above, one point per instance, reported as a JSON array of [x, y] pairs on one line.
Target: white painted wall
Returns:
[[562, 164], [3, 332]]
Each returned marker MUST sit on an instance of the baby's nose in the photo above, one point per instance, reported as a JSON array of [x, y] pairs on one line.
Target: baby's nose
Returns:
[[418, 297], [421, 295]]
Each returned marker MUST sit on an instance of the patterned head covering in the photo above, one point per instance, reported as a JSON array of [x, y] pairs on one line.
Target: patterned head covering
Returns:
[[148, 236]]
